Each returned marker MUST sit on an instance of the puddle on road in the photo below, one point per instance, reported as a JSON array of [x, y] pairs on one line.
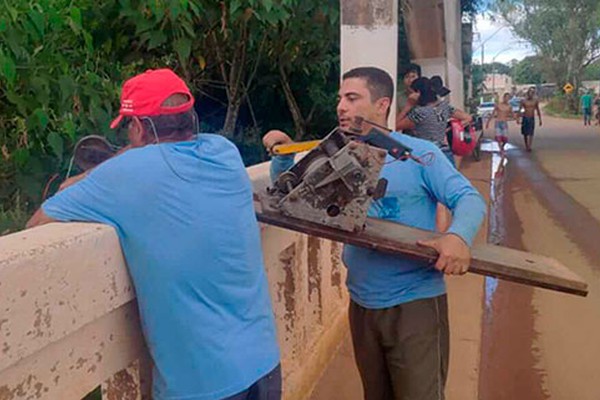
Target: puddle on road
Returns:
[[493, 147], [509, 366], [496, 232]]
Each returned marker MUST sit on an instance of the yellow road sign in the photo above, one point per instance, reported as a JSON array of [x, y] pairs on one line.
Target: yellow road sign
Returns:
[[568, 88]]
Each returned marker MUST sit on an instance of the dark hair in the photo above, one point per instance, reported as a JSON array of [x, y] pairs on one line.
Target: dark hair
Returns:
[[175, 126], [416, 68], [426, 93], [437, 84], [379, 82]]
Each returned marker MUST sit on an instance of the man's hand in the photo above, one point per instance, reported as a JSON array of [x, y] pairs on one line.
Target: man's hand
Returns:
[[274, 138], [454, 254], [540, 122], [413, 99]]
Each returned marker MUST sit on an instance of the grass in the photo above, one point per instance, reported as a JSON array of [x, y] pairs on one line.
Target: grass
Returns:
[[557, 107], [13, 220]]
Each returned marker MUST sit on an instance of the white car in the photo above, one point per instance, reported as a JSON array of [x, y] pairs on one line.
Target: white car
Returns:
[[484, 110]]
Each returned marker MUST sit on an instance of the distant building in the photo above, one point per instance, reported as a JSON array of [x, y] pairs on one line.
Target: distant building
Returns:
[[497, 83], [594, 85]]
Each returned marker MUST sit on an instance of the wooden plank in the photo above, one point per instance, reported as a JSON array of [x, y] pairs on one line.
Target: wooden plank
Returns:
[[490, 260]]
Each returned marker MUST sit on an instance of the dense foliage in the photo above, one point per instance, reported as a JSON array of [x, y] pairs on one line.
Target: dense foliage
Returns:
[[565, 33], [252, 64]]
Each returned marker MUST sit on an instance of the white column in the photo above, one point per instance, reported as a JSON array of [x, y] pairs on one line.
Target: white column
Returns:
[[369, 38]]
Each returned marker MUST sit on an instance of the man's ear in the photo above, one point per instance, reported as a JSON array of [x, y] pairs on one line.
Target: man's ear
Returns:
[[383, 105], [136, 133]]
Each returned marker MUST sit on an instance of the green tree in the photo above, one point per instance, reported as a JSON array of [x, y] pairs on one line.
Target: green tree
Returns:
[[62, 63], [566, 33], [307, 53], [54, 84], [592, 72], [529, 70]]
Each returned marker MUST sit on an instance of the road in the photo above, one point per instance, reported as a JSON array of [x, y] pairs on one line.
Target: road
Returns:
[[533, 344], [538, 344]]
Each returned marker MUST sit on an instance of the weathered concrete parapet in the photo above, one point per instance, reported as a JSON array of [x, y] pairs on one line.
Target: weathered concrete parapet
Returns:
[[69, 322], [68, 318]]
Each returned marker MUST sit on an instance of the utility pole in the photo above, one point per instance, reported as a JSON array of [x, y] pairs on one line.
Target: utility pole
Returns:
[[482, 46], [369, 37]]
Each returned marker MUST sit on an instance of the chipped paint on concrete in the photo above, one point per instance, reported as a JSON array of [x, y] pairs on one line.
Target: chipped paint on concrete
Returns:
[[315, 270], [124, 385], [287, 288], [57, 280], [76, 364], [336, 266], [368, 14], [369, 37]]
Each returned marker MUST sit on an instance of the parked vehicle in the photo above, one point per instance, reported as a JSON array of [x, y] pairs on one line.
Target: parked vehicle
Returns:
[[484, 110], [515, 103]]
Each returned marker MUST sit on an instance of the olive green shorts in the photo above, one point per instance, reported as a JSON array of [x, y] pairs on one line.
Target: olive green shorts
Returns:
[[402, 352]]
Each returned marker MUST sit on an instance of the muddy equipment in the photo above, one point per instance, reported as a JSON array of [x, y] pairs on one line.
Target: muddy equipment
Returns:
[[328, 193]]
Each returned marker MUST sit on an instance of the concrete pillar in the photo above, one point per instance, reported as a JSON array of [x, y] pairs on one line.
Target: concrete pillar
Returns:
[[434, 33], [369, 37]]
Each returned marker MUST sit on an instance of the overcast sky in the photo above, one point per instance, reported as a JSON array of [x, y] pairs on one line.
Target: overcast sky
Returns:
[[503, 45]]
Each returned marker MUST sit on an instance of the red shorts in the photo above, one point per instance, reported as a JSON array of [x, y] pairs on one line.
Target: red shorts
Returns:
[[501, 139]]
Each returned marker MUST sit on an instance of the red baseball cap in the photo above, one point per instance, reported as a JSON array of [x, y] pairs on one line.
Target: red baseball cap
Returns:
[[144, 95]]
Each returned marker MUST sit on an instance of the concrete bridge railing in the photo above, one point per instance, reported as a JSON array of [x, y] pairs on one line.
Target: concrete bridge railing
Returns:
[[69, 320]]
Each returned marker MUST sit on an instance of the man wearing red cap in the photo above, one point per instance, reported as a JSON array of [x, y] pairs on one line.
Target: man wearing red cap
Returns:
[[182, 207]]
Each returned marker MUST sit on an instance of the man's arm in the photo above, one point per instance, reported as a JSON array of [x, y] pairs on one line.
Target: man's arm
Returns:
[[539, 113], [453, 190], [404, 124], [521, 109], [279, 164], [411, 101], [39, 218], [494, 115], [464, 117]]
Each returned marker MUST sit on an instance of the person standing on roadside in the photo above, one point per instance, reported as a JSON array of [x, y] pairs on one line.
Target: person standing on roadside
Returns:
[[530, 105], [586, 108], [502, 113]]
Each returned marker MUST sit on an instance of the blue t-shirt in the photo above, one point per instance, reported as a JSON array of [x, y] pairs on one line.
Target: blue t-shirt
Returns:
[[193, 250], [379, 280]]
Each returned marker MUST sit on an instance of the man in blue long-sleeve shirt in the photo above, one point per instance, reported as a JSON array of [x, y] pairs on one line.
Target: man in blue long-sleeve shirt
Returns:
[[398, 310]]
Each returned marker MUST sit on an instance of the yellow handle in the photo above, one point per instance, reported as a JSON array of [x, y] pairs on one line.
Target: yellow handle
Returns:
[[282, 149]]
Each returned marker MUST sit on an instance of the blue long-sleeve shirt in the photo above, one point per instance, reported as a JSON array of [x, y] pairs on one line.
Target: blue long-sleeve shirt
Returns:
[[380, 280]]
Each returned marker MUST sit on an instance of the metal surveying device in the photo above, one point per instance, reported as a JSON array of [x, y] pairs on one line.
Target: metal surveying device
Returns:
[[328, 192]]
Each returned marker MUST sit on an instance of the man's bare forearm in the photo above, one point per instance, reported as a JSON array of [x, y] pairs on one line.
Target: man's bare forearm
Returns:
[[39, 218]]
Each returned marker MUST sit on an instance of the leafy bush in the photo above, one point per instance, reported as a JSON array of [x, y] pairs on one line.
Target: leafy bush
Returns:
[[55, 84], [62, 63]]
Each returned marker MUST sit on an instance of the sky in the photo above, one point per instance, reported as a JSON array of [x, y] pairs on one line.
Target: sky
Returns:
[[503, 45]]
